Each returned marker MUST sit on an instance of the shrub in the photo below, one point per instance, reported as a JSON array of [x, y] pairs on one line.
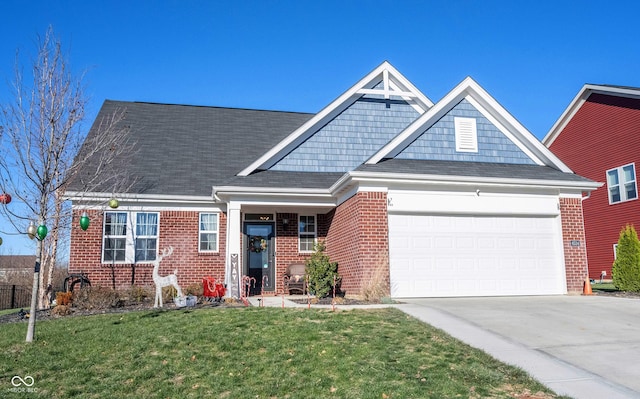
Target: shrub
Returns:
[[97, 298], [626, 267], [194, 289], [63, 298], [321, 272]]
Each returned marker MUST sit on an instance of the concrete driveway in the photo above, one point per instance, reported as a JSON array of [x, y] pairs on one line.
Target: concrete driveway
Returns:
[[580, 346]]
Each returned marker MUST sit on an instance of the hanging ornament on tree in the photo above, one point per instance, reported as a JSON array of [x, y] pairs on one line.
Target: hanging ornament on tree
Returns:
[[0, 240], [84, 221], [5, 198], [31, 230], [42, 232], [113, 203]]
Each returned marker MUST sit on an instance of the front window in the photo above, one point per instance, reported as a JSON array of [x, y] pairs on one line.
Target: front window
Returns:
[[621, 183], [306, 233], [208, 232], [146, 236], [115, 237]]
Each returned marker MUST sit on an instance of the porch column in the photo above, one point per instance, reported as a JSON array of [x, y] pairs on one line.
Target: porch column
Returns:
[[233, 272]]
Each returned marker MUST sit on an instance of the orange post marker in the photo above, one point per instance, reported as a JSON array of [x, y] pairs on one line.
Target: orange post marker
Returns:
[[587, 287]]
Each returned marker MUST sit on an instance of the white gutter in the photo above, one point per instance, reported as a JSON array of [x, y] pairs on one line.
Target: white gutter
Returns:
[[101, 196]]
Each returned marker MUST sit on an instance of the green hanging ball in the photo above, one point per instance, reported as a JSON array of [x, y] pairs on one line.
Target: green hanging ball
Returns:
[[84, 221], [0, 240], [42, 232], [113, 203]]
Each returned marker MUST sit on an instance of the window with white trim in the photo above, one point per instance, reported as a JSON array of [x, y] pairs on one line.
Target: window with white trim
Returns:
[[306, 233], [146, 239], [621, 184], [208, 232], [130, 237], [466, 134], [114, 242]]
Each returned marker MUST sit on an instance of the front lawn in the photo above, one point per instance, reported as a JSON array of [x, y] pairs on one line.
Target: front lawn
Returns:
[[251, 353]]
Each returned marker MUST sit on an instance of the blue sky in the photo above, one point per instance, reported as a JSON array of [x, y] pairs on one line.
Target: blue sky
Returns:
[[533, 57]]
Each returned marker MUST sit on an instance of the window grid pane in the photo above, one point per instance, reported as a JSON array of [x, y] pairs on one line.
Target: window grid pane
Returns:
[[306, 233], [622, 176], [208, 232]]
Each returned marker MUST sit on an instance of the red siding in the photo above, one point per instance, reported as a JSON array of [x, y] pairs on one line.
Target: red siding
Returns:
[[603, 134]]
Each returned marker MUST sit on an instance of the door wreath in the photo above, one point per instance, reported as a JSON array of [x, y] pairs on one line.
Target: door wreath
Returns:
[[257, 244]]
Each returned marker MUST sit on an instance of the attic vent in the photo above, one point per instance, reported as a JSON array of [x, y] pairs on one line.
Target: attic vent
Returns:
[[466, 134]]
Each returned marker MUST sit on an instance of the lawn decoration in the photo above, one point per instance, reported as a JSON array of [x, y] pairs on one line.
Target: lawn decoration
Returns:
[[5, 199], [164, 281], [213, 291]]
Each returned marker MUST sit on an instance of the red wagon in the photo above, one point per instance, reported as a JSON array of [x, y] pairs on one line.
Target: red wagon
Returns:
[[212, 291]]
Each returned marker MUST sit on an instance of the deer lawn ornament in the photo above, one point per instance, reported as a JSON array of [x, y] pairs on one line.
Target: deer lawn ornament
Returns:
[[164, 281]]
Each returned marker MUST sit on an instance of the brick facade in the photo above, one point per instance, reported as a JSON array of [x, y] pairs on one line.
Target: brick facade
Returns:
[[575, 256], [178, 229], [357, 238]]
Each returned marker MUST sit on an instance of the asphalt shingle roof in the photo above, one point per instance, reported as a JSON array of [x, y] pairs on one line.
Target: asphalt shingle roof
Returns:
[[185, 150], [471, 169]]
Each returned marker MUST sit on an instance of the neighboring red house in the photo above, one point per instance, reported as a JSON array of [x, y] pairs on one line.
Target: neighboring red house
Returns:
[[598, 136]]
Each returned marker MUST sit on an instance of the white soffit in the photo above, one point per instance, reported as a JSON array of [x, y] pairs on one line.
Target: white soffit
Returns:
[[394, 84]]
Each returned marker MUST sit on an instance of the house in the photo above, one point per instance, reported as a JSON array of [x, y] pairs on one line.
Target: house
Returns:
[[454, 198], [16, 269], [598, 136]]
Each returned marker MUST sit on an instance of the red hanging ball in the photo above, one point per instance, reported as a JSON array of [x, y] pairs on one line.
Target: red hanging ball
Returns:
[[5, 199]]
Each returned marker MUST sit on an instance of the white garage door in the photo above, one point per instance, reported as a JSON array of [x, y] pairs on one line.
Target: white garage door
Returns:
[[444, 256]]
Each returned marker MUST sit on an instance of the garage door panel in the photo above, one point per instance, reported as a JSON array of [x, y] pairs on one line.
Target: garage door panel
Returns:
[[474, 256]]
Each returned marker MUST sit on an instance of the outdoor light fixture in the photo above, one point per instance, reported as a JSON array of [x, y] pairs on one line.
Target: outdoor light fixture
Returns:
[[32, 230], [84, 221], [285, 223]]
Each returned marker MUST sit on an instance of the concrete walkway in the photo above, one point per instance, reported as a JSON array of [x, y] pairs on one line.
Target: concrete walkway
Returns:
[[582, 347]]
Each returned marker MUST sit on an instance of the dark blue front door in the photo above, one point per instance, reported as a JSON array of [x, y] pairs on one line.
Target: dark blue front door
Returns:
[[259, 255]]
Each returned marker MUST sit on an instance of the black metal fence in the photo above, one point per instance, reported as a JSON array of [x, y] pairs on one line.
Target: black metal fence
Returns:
[[14, 296]]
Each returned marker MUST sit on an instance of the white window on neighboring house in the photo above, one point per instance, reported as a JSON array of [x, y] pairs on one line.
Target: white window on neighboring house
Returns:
[[114, 242], [130, 237], [615, 251], [208, 233], [306, 233], [621, 184], [466, 134]]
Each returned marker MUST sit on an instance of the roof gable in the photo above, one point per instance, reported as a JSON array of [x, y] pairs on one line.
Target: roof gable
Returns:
[[383, 83], [479, 103], [577, 102], [438, 142], [351, 137]]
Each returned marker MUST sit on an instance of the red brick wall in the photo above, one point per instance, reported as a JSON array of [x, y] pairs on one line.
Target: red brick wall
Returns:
[[603, 134], [575, 257], [178, 229], [357, 238]]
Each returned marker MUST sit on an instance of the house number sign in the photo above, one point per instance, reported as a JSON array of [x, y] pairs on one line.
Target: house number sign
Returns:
[[575, 243]]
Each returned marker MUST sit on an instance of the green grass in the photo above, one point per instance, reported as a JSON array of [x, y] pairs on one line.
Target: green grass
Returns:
[[609, 287], [8, 311], [251, 353]]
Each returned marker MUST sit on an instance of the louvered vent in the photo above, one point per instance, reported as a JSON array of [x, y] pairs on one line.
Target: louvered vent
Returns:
[[466, 135]]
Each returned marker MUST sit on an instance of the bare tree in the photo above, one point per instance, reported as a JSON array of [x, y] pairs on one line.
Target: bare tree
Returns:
[[41, 140]]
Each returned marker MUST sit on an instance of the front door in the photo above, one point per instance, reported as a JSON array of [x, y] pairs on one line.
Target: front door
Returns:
[[259, 255]]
